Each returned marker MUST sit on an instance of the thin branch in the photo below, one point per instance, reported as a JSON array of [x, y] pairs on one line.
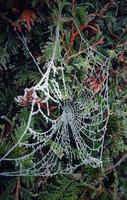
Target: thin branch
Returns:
[[74, 34], [117, 164], [73, 5], [106, 7], [111, 168], [63, 42], [17, 188], [7, 128], [100, 41]]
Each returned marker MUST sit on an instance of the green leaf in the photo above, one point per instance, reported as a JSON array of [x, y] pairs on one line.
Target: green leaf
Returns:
[[4, 58]]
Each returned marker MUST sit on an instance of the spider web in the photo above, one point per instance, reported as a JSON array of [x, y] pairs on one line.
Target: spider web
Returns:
[[75, 136]]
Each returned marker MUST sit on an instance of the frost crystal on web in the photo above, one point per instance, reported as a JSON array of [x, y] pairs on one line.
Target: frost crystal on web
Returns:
[[74, 136]]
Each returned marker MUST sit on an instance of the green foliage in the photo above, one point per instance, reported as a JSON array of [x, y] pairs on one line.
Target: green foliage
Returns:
[[82, 13], [25, 78], [25, 191], [4, 56], [49, 48], [105, 19], [65, 187]]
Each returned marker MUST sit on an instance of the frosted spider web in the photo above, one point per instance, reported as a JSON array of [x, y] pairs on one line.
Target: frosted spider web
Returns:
[[75, 136]]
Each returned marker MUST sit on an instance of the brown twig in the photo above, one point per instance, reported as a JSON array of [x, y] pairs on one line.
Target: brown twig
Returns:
[[17, 188], [73, 5], [63, 42], [110, 168], [7, 128], [107, 6], [100, 41], [122, 44], [74, 33]]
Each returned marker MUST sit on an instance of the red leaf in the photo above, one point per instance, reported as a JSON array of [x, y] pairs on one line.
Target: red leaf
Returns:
[[94, 83], [28, 98], [28, 16]]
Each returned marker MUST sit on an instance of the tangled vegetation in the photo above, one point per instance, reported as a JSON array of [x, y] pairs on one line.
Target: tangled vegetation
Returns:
[[103, 24]]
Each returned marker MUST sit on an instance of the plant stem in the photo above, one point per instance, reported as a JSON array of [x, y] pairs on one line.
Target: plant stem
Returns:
[[17, 188]]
